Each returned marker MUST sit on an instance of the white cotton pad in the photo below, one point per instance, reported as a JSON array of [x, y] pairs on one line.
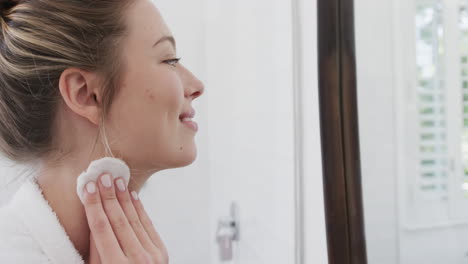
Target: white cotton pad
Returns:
[[116, 168]]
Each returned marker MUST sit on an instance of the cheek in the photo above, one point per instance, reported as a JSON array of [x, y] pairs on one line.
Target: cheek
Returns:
[[146, 113], [165, 92], [152, 102]]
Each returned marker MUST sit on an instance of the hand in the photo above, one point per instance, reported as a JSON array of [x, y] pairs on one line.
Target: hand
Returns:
[[121, 231]]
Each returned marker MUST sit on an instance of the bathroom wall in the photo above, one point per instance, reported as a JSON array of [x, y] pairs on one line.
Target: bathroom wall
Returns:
[[376, 114], [251, 143]]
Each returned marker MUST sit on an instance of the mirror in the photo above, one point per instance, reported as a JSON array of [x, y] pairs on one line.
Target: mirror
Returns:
[[412, 75], [246, 174]]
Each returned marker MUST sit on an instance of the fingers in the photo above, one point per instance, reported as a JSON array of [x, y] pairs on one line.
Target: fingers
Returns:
[[104, 238], [94, 257], [123, 196], [120, 228], [147, 223], [117, 218]]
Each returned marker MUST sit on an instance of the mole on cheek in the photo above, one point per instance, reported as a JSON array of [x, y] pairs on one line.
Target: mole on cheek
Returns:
[[150, 94], [181, 148]]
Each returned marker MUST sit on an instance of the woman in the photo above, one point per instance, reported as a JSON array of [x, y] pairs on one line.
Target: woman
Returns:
[[81, 80]]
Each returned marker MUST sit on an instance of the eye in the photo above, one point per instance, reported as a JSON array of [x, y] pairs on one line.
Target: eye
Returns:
[[172, 62]]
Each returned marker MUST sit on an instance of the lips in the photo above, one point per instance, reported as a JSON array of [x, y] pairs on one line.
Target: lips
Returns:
[[191, 125], [186, 119], [188, 115]]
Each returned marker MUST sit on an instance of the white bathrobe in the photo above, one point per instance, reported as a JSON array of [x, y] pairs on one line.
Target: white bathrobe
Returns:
[[30, 232]]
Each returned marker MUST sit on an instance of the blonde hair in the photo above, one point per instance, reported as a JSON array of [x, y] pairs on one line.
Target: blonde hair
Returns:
[[39, 39]]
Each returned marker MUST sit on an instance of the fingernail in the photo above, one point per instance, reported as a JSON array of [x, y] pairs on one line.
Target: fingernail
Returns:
[[135, 195], [91, 187], [106, 180], [120, 185]]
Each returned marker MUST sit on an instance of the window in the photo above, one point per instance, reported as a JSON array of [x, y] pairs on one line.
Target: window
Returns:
[[433, 169]]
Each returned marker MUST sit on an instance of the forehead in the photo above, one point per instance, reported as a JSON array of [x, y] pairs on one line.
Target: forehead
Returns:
[[145, 23]]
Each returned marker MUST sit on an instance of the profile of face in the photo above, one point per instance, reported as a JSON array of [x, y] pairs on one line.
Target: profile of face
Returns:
[[145, 124]]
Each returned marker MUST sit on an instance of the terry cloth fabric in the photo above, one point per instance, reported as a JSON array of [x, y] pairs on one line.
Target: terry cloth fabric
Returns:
[[30, 231], [116, 167]]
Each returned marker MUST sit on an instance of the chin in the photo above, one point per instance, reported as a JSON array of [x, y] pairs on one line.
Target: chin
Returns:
[[185, 157]]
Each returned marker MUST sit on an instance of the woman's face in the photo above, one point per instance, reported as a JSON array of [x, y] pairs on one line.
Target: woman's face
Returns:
[[144, 125]]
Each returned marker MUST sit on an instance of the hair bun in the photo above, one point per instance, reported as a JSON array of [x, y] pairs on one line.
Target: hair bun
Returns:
[[7, 4]]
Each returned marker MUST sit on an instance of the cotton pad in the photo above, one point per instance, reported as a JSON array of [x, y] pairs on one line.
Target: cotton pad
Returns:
[[113, 166]]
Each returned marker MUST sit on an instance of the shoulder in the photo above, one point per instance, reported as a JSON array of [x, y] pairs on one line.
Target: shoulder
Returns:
[[16, 243]]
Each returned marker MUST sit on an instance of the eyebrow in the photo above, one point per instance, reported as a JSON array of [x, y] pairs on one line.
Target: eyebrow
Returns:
[[166, 38]]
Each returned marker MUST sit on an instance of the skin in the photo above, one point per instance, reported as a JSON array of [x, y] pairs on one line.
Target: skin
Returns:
[[143, 127], [121, 231]]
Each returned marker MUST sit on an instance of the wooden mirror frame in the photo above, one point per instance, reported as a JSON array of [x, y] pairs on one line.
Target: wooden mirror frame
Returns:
[[340, 133]]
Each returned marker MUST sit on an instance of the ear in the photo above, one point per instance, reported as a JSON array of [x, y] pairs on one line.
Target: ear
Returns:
[[79, 90]]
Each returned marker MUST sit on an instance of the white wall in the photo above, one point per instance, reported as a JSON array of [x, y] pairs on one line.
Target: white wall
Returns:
[[249, 69], [314, 214], [374, 44]]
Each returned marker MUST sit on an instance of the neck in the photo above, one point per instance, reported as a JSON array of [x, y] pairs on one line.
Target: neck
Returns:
[[58, 183]]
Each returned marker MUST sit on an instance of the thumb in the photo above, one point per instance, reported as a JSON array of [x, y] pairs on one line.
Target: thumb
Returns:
[[93, 253]]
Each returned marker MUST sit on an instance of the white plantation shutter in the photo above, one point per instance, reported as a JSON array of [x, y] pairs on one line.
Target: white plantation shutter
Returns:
[[432, 69], [463, 55], [431, 100], [423, 114]]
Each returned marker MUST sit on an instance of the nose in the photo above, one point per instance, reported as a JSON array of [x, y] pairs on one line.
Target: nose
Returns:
[[193, 86]]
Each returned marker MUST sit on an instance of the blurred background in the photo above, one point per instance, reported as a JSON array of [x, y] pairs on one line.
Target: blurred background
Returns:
[[412, 61], [259, 134]]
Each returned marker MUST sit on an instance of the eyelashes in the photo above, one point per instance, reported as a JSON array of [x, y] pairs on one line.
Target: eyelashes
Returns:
[[172, 62]]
